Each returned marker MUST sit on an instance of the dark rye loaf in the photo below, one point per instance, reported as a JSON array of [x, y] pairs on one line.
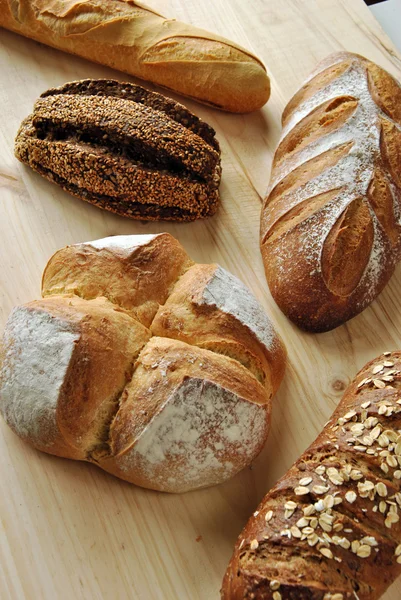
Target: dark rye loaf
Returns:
[[124, 149]]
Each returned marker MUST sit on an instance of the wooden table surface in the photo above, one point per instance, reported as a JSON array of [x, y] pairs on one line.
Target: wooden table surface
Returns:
[[68, 530]]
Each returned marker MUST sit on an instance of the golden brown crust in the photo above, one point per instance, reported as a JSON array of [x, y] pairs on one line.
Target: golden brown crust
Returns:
[[138, 280], [330, 528], [164, 369], [129, 36], [188, 317], [178, 416], [330, 233]]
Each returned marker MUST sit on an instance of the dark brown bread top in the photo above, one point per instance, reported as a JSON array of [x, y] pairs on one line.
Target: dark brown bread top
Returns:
[[330, 528], [125, 149], [330, 226]]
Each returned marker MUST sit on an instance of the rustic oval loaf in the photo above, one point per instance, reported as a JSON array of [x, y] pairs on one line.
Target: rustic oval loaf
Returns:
[[330, 528], [124, 149], [159, 370], [131, 37], [330, 226]]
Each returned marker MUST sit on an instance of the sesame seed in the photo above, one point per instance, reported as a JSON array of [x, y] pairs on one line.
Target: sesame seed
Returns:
[[254, 544]]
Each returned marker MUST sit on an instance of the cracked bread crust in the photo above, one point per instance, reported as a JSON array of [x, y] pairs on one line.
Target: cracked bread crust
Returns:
[[85, 375], [124, 149]]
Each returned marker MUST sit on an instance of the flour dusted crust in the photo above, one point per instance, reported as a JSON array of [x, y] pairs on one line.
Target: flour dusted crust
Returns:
[[330, 229], [209, 418], [111, 378], [330, 528], [30, 387], [211, 308]]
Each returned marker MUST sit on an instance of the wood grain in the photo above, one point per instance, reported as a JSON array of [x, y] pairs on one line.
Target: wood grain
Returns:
[[68, 529]]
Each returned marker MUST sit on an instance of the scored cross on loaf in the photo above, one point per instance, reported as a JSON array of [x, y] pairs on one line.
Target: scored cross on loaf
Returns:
[[159, 370]]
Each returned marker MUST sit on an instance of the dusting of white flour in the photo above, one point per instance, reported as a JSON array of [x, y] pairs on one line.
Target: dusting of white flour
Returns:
[[38, 351], [122, 242], [353, 172], [187, 443], [231, 296]]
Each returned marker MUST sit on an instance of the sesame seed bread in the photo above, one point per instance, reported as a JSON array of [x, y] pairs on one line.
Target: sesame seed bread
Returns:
[[102, 369], [129, 36], [330, 528], [124, 149], [330, 224]]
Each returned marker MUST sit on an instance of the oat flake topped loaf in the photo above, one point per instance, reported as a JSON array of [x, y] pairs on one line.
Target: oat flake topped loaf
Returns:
[[159, 370], [330, 528], [330, 227]]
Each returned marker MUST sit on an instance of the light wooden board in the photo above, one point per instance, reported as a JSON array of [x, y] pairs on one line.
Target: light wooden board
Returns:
[[68, 530]]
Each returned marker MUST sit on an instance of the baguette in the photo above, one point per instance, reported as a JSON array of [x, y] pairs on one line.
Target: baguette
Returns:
[[157, 370], [330, 225], [132, 38], [330, 528]]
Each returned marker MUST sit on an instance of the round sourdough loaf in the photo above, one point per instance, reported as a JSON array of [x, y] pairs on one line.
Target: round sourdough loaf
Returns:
[[159, 370]]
